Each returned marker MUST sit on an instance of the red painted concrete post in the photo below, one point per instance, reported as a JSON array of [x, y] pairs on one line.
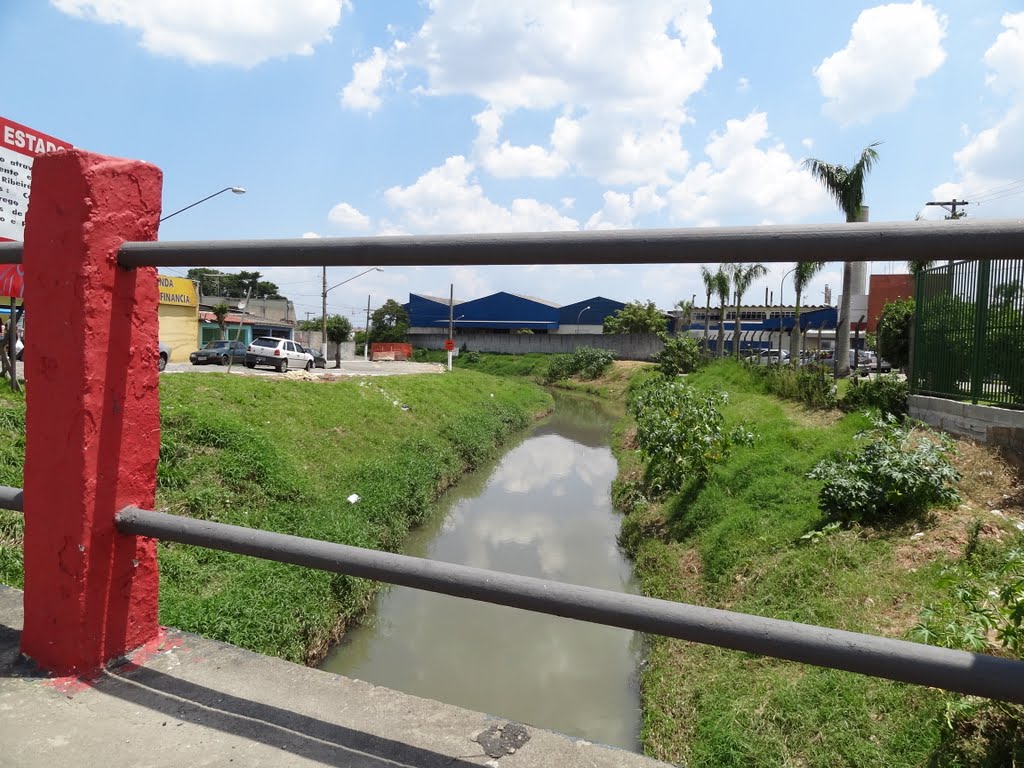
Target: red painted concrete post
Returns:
[[92, 421]]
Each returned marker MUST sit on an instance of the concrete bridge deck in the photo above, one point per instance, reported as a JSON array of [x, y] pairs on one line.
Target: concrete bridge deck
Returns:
[[187, 700]]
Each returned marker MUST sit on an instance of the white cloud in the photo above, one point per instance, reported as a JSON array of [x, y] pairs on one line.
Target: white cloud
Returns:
[[743, 84], [448, 199], [1006, 56], [620, 210], [743, 180], [891, 48], [238, 32], [310, 234], [344, 215], [807, 143], [367, 76], [506, 160], [619, 79], [993, 159]]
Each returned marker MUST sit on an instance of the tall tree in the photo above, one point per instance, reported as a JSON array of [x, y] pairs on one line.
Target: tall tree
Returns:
[[636, 317], [708, 277], [743, 275], [723, 284], [846, 186], [802, 275], [390, 322], [220, 312]]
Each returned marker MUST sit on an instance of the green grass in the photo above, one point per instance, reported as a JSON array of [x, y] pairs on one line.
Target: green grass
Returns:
[[533, 365], [735, 543], [283, 456]]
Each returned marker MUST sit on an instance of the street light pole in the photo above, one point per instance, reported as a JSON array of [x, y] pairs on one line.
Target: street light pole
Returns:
[[578, 319], [323, 313], [782, 286], [236, 190]]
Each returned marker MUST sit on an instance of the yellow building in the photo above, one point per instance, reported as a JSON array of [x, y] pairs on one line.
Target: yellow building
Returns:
[[179, 316]]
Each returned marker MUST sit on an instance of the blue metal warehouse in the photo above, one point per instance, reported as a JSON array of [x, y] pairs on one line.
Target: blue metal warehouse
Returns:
[[505, 312]]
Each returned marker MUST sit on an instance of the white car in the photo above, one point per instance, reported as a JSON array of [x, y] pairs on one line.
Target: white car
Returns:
[[277, 353], [768, 357]]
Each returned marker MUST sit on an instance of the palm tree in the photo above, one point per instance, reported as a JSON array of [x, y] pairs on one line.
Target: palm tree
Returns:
[[709, 286], [685, 306], [742, 277], [805, 270], [723, 282], [846, 186]]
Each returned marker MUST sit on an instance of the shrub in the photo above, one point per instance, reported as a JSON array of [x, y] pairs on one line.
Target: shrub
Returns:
[[890, 479], [682, 354], [585, 362], [681, 432], [813, 385], [886, 393]]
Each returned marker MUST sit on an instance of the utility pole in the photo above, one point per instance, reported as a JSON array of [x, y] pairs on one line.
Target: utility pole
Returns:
[[951, 206], [366, 343], [323, 319], [451, 320]]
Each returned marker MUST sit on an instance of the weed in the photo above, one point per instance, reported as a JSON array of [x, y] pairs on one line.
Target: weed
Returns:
[[887, 394], [890, 479]]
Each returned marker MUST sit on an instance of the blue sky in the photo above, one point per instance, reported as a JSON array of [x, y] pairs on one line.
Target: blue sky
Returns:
[[346, 117]]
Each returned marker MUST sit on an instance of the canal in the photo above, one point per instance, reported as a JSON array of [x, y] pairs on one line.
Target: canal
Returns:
[[543, 509]]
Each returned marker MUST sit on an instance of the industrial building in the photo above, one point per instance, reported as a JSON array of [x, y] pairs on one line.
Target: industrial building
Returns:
[[504, 312]]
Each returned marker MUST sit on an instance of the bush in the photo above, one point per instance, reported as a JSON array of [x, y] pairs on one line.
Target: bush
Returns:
[[886, 393], [585, 362], [681, 432], [813, 385], [682, 354], [890, 479]]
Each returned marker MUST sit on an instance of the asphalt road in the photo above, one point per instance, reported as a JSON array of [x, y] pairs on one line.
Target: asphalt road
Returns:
[[348, 368]]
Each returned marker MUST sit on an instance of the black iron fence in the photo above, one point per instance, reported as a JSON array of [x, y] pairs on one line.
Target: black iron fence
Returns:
[[968, 341]]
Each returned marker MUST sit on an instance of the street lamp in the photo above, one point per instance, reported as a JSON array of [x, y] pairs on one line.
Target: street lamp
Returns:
[[323, 316], [578, 319], [782, 286], [236, 190]]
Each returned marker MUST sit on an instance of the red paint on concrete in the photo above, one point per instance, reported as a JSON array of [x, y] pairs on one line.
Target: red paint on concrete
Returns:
[[92, 421], [883, 289]]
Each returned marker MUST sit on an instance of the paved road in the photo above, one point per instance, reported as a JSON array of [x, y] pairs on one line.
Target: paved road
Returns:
[[348, 368]]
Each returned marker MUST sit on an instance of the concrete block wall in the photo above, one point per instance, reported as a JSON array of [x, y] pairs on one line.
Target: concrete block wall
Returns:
[[1002, 427], [626, 346]]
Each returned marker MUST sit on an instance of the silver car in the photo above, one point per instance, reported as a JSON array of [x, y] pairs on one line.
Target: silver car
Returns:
[[277, 353]]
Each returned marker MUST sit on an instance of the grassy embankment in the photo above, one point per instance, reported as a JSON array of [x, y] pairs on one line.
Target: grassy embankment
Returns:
[[737, 543], [283, 456]]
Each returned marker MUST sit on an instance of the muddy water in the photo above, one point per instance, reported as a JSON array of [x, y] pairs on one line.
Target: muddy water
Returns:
[[542, 510]]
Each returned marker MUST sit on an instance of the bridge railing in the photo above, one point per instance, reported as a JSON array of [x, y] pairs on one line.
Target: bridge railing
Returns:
[[93, 434]]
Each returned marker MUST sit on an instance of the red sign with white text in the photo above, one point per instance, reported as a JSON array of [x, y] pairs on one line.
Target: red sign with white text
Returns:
[[19, 146]]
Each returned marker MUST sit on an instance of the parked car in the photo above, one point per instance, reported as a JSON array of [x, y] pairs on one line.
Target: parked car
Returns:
[[768, 357], [164, 353], [277, 353], [873, 364], [319, 361], [220, 352]]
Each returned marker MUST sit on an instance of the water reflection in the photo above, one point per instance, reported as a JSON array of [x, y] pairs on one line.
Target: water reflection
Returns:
[[543, 510]]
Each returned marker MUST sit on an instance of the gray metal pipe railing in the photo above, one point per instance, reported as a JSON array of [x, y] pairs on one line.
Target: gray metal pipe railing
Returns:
[[970, 673], [11, 498], [879, 241]]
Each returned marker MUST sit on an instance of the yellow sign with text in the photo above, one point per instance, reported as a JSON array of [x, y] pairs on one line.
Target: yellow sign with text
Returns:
[[179, 291]]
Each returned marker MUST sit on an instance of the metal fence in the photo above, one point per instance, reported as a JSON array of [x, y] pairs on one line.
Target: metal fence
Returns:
[[968, 339], [895, 659]]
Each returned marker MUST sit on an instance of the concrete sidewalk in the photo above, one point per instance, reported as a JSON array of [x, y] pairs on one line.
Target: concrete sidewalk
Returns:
[[191, 701]]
